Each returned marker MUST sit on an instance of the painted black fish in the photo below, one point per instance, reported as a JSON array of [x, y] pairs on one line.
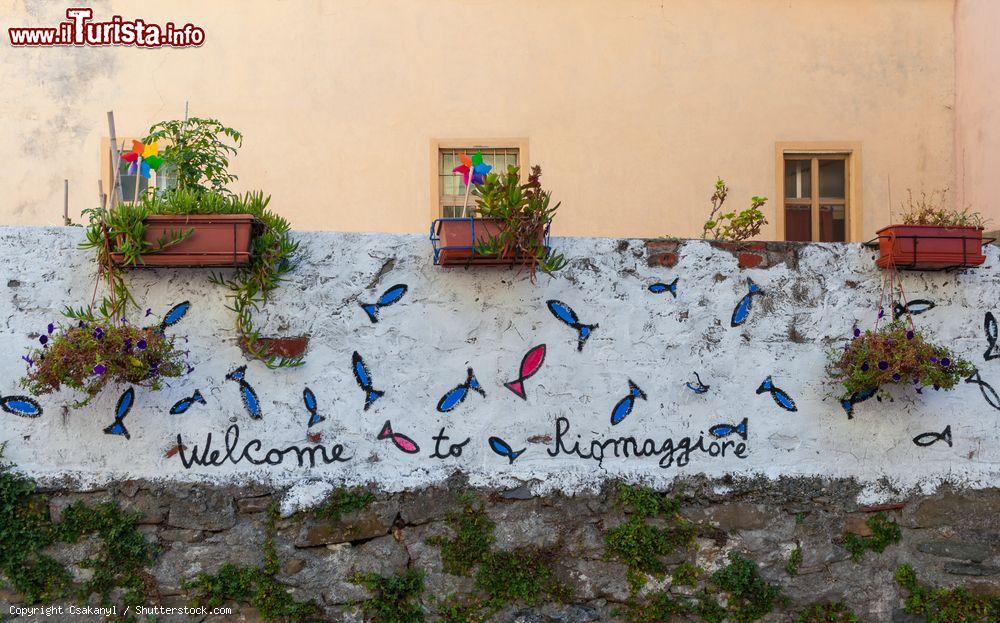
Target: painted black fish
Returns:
[[390, 296], [698, 387], [364, 379], [250, 401], [565, 313], [742, 310], [121, 410], [309, 398], [858, 396], [184, 404], [724, 430], [913, 308], [926, 439], [989, 394], [990, 327], [781, 398], [660, 288]]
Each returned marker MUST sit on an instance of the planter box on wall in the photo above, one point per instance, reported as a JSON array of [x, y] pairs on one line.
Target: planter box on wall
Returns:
[[454, 241], [216, 240], [929, 247]]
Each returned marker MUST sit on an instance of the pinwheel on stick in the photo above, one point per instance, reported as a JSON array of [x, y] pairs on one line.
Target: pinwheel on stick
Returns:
[[473, 171], [143, 159]]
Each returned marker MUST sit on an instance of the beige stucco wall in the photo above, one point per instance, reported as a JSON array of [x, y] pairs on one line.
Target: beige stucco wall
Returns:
[[633, 107], [977, 106]]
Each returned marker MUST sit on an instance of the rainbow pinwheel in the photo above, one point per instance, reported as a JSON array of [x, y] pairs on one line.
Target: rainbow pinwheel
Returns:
[[143, 158], [474, 166]]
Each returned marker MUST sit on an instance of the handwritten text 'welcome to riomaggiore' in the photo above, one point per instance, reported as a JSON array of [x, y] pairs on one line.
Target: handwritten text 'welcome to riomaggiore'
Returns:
[[669, 451]]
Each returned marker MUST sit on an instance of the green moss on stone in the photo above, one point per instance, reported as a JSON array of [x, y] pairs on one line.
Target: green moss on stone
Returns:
[[472, 541], [341, 502], [750, 596], [835, 612], [395, 599], [885, 532], [942, 605]]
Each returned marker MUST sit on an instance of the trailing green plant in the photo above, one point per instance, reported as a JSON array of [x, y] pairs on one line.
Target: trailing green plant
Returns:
[[685, 574], [733, 226], [794, 561], [343, 501], [395, 599], [828, 612], [750, 596], [86, 357], [253, 585], [663, 607], [885, 532], [524, 211], [455, 609], [943, 605], [932, 209], [895, 353], [197, 151]]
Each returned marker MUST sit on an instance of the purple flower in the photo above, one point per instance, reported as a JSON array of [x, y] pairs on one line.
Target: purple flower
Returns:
[[98, 333], [141, 344], [945, 362], [190, 369], [934, 359], [44, 339], [920, 390], [864, 367], [857, 332], [149, 312], [881, 312], [51, 328], [883, 365], [99, 369], [909, 335], [127, 346], [896, 377], [936, 387], [27, 360]]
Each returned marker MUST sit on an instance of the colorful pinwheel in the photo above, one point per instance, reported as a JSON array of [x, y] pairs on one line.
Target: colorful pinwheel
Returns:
[[473, 166], [143, 158]]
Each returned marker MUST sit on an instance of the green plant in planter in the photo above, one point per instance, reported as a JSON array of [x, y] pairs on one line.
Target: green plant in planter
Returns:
[[931, 209], [895, 354], [197, 152], [733, 226], [524, 211], [87, 357]]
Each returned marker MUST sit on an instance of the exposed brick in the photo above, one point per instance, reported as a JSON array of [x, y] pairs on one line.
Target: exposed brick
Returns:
[[662, 259], [750, 260]]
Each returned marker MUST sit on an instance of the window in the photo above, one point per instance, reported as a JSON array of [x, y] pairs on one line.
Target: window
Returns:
[[449, 192], [160, 179], [818, 194]]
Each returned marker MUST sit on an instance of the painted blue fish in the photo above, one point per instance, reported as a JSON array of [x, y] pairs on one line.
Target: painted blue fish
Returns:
[[565, 313], [365, 380], [724, 430], [990, 327], [858, 396], [456, 396], [175, 314], [698, 387], [250, 401], [989, 394], [624, 406], [926, 439], [782, 399], [309, 398], [22, 406], [660, 288], [121, 410], [913, 308], [502, 448], [742, 310], [184, 404], [390, 296]]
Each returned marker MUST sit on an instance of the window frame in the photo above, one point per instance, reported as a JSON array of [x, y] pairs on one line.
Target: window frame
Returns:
[[850, 152], [470, 144]]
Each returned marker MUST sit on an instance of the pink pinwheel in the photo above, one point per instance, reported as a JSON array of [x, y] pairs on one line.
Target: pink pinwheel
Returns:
[[473, 166], [143, 158]]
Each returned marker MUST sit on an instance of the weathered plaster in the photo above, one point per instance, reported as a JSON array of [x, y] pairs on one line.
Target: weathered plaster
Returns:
[[452, 319]]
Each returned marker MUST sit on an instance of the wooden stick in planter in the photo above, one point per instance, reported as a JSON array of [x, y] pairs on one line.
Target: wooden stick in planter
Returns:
[[116, 186], [65, 202]]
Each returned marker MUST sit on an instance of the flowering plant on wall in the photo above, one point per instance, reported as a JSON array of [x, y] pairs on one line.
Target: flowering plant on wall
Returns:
[[88, 356]]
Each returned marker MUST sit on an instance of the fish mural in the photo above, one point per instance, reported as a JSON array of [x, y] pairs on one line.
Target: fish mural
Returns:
[[912, 308], [989, 394], [457, 396], [389, 297], [858, 396], [309, 399], [724, 430], [184, 404], [121, 410], [530, 364], [990, 328], [364, 379], [400, 440], [176, 313], [250, 401], [927, 439], [660, 288], [21, 406], [742, 310], [697, 387], [565, 313], [781, 398], [503, 448], [624, 406]]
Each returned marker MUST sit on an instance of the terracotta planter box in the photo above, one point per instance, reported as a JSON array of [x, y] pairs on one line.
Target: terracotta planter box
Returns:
[[287, 347], [454, 241], [217, 240], [929, 247]]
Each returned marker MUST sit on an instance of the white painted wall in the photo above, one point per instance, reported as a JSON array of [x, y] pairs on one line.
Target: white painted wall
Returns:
[[487, 319]]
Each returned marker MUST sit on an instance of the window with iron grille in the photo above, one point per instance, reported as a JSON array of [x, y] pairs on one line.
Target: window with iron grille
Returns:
[[453, 198]]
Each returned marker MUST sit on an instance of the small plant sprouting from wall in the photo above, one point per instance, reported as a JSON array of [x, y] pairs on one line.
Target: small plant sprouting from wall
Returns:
[[341, 502], [794, 561], [885, 532], [733, 226], [943, 605], [395, 599], [830, 612]]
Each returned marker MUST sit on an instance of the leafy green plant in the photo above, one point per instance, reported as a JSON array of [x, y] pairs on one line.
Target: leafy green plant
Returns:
[[750, 596], [794, 561], [341, 502], [197, 151], [885, 532], [830, 612], [895, 354], [524, 212], [520, 575], [733, 226], [942, 605], [87, 357], [931, 209], [395, 599], [472, 541]]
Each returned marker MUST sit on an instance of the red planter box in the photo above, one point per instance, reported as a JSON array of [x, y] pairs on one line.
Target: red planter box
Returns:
[[217, 240], [455, 239], [929, 247]]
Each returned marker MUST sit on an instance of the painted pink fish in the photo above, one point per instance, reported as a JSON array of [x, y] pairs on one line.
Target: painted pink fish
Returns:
[[401, 441], [532, 361]]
